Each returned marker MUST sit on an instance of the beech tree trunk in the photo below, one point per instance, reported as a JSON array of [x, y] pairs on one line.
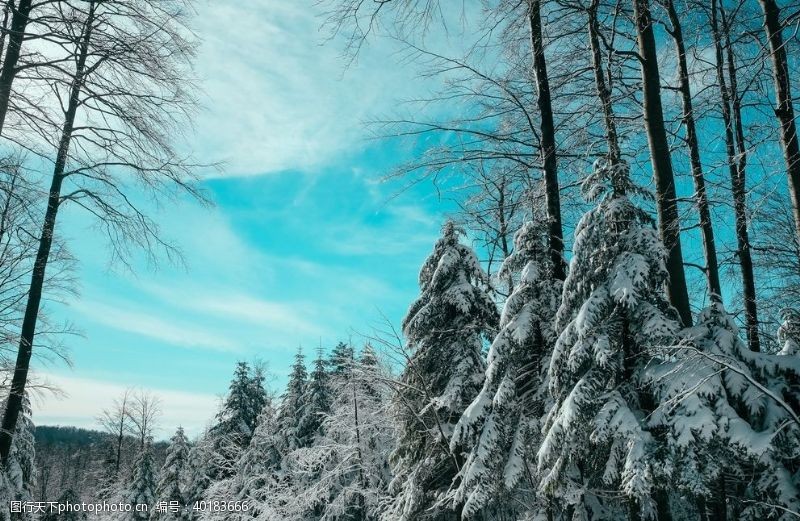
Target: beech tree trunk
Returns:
[[736, 167], [668, 220], [701, 197], [548, 142], [19, 21], [22, 365], [784, 109], [603, 88]]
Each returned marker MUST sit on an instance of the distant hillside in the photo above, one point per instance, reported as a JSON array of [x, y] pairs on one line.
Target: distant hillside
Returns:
[[72, 457]]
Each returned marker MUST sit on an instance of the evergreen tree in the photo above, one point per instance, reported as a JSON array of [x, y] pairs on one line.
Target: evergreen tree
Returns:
[[341, 357], [171, 477], [503, 422], [257, 396], [612, 317], [107, 477], [259, 462], [142, 487], [445, 329], [317, 402], [724, 428], [293, 406], [200, 461], [236, 420], [343, 476]]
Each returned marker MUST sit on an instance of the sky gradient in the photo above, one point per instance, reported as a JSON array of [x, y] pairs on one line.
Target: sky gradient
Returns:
[[303, 247]]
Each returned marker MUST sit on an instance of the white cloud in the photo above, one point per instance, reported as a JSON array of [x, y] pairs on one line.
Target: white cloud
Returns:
[[277, 98], [170, 331], [85, 398]]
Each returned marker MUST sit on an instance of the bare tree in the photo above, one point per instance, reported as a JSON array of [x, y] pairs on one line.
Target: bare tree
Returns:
[[115, 420], [143, 413], [119, 106], [736, 163], [692, 142], [19, 22], [784, 111]]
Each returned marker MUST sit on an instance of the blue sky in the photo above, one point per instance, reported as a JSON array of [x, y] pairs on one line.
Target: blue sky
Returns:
[[304, 245]]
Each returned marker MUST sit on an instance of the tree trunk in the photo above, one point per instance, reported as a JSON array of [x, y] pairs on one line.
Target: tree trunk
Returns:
[[737, 174], [668, 220], [22, 365], [603, 88], [548, 142], [19, 21], [701, 197], [785, 108]]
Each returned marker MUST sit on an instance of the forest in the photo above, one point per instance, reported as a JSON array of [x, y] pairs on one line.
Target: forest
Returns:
[[607, 328]]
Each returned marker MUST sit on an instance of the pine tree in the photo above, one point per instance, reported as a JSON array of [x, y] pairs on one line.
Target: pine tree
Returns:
[[445, 329], [200, 461], [317, 402], [171, 477], [142, 488], [723, 428], [293, 405], [612, 317], [106, 476], [258, 480], [236, 420], [343, 476], [259, 462], [503, 421], [340, 358]]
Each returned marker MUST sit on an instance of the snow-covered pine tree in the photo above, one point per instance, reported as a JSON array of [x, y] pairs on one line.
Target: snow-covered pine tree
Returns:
[[106, 475], [371, 371], [789, 332], [200, 460], [236, 420], [344, 475], [293, 405], [171, 478], [142, 488], [502, 424], [340, 358], [257, 396], [728, 439], [317, 402], [445, 329], [613, 316], [257, 467]]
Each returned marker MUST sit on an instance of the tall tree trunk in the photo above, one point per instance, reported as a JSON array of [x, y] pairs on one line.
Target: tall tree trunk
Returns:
[[746, 259], [22, 365], [785, 108], [603, 87], [19, 22], [736, 167], [701, 197], [548, 144], [668, 220]]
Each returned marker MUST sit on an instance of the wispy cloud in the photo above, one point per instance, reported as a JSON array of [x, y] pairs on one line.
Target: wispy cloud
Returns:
[[275, 103], [148, 325]]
